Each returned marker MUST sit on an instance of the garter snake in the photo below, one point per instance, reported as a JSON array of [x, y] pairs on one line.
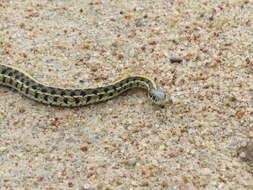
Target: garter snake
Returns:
[[25, 84]]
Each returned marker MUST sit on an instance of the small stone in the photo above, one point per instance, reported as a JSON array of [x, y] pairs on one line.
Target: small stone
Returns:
[[3, 149], [84, 148], [176, 60], [145, 183], [242, 155], [205, 171], [250, 134], [131, 162]]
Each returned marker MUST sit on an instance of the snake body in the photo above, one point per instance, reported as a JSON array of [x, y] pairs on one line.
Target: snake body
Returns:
[[25, 84]]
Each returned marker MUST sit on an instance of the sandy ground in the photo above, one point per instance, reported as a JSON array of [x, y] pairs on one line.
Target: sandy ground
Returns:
[[203, 140]]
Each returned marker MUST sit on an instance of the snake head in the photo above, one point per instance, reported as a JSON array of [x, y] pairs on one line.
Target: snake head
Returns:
[[157, 96]]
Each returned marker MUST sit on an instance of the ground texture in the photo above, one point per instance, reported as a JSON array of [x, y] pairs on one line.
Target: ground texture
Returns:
[[202, 139]]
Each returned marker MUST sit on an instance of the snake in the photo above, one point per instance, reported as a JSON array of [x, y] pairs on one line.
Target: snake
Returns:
[[25, 84]]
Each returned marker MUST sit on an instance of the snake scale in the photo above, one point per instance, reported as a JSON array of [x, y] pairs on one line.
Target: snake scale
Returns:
[[25, 84]]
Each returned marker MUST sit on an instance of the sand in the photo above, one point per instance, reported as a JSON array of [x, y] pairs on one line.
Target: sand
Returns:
[[202, 139]]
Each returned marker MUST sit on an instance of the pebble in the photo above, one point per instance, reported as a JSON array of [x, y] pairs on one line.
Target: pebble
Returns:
[[176, 60]]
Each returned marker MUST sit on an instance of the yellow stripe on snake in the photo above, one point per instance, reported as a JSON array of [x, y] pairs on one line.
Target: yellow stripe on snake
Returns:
[[21, 81]]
